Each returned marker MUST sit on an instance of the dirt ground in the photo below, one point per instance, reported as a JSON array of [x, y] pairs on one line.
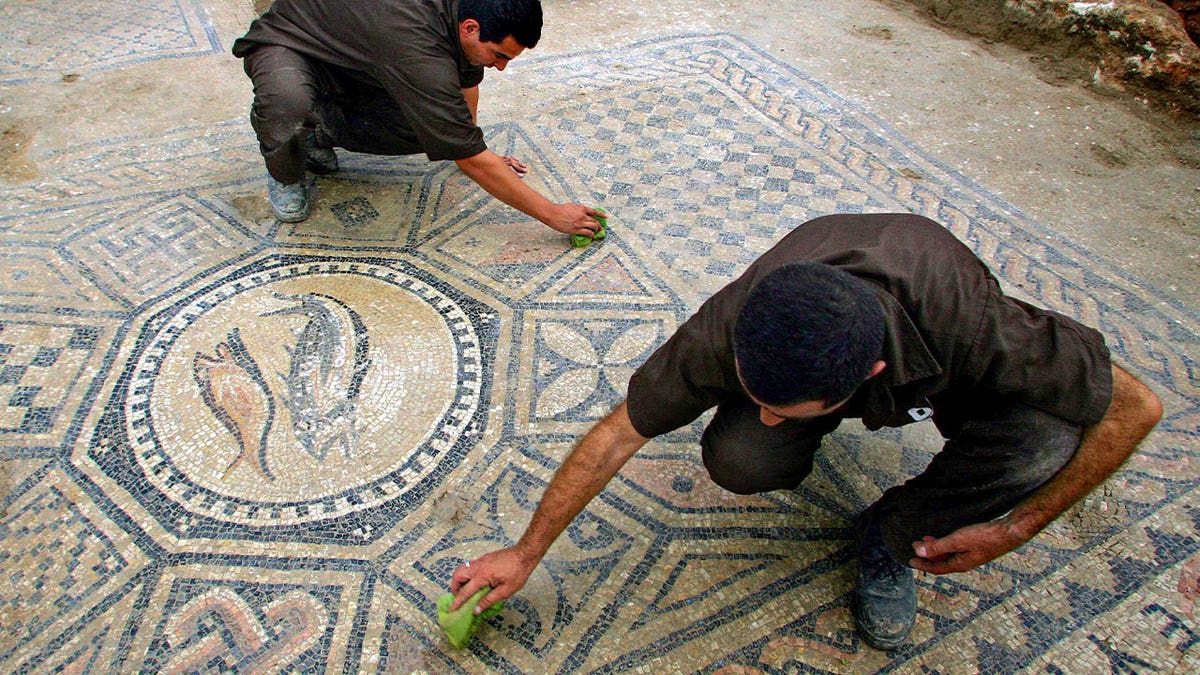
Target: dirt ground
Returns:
[[1141, 49], [1103, 170]]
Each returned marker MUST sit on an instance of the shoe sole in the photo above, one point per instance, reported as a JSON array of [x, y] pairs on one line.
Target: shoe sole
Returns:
[[292, 219]]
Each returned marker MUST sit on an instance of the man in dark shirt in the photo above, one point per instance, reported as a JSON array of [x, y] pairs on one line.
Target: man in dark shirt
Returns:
[[890, 319], [387, 77]]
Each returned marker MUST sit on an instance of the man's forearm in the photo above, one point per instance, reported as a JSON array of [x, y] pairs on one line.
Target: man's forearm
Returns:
[[491, 172], [593, 463], [1103, 449]]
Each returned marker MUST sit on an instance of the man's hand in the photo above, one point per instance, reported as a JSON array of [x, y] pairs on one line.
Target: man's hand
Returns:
[[965, 548], [520, 168], [575, 219], [506, 571]]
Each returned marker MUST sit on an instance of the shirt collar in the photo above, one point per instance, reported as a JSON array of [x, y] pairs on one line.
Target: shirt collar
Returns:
[[908, 358]]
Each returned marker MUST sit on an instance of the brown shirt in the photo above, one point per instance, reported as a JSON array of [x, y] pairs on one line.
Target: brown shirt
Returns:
[[955, 345], [409, 49]]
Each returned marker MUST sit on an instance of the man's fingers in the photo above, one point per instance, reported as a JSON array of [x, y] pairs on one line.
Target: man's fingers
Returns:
[[947, 565], [495, 595], [464, 593], [940, 567], [460, 576], [930, 548], [516, 165], [468, 588]]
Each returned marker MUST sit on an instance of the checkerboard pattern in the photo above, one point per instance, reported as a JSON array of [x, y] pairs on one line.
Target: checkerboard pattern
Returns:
[[39, 364]]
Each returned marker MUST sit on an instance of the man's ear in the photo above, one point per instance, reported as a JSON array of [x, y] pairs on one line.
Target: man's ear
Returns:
[[468, 27]]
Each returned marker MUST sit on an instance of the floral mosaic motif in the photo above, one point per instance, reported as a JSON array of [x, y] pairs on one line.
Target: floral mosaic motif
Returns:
[[582, 361]]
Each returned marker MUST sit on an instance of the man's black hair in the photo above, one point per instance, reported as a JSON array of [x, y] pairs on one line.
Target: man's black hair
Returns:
[[808, 332], [498, 19]]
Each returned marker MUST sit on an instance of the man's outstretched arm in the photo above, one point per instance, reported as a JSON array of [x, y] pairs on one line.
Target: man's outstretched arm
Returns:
[[497, 175], [1105, 446], [589, 467]]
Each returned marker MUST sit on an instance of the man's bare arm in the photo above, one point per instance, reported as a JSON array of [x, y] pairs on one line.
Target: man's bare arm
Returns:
[[1103, 449], [496, 175], [589, 467]]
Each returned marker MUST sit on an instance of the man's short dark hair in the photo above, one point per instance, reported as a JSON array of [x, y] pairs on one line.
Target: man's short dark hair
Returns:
[[498, 19], [808, 332]]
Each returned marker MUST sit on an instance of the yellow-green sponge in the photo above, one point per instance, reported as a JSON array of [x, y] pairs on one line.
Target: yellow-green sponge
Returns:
[[462, 623], [581, 240]]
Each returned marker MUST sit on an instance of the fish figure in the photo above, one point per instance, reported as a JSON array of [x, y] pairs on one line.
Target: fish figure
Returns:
[[329, 361], [235, 390]]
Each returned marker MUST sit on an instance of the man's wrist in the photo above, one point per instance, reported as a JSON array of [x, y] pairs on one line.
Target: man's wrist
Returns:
[[528, 552], [1019, 526]]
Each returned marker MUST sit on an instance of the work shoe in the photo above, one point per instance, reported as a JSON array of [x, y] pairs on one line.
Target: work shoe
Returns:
[[317, 159], [885, 594], [289, 202]]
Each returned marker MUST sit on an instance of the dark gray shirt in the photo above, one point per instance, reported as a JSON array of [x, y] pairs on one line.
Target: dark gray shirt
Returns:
[[409, 49], [954, 342]]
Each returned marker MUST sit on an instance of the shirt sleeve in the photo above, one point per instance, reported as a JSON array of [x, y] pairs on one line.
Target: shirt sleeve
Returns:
[[429, 92], [1043, 358], [689, 374]]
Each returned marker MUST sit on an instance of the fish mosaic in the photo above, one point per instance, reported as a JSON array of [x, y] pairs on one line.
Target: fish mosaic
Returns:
[[235, 390], [328, 363]]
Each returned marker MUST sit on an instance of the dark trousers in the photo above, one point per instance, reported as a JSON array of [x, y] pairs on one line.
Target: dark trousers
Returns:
[[295, 96], [996, 460]]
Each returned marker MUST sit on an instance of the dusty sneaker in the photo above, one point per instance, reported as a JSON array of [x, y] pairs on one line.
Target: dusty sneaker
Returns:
[[289, 202], [885, 594], [319, 160]]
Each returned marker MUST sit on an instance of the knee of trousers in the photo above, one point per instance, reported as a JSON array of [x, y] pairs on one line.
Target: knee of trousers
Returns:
[[991, 472], [736, 474], [284, 116]]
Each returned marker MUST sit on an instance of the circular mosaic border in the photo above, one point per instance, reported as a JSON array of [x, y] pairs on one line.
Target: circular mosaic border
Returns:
[[129, 450]]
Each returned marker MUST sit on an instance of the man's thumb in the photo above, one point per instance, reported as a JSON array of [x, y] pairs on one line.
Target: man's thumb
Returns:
[[926, 548]]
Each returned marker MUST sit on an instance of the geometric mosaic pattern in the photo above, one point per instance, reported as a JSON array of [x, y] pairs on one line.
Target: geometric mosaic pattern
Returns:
[[231, 444], [46, 42]]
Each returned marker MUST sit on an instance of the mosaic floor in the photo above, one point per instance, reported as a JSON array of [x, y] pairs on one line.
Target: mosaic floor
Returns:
[[231, 444]]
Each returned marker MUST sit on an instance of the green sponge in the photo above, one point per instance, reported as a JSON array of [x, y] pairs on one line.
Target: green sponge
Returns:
[[581, 240], [461, 624]]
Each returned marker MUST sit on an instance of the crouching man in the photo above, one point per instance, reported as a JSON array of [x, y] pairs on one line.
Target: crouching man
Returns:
[[388, 77], [890, 319]]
